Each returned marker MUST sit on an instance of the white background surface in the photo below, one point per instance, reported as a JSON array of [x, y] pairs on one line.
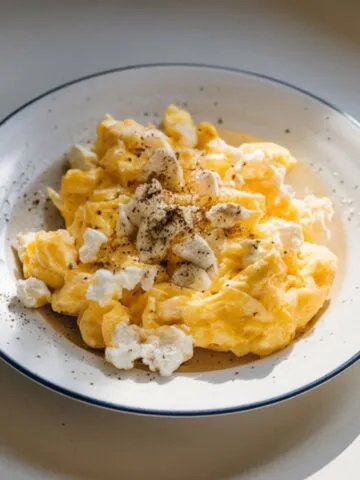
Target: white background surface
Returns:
[[44, 43]]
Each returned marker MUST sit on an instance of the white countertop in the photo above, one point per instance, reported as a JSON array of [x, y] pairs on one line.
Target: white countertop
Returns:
[[44, 436]]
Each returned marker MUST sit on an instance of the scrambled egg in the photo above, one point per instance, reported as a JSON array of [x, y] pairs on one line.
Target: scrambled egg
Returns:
[[175, 239]]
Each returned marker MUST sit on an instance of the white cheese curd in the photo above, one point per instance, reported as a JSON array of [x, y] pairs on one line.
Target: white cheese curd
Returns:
[[93, 240], [154, 139], [288, 234], [126, 341], [190, 276], [205, 182], [166, 349], [146, 202], [187, 214], [196, 250], [149, 276], [129, 277], [32, 292], [156, 232], [82, 158], [124, 226], [149, 247], [23, 239], [226, 215], [105, 284], [315, 215], [163, 349], [158, 222], [103, 287], [163, 164]]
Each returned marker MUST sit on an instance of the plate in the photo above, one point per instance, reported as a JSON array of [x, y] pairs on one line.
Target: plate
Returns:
[[33, 140]]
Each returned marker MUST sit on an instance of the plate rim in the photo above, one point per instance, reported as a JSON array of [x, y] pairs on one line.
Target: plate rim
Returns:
[[162, 412]]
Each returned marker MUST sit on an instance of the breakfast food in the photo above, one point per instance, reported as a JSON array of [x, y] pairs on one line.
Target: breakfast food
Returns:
[[175, 239]]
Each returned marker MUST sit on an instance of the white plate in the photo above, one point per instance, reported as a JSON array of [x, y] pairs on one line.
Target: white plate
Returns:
[[32, 142]]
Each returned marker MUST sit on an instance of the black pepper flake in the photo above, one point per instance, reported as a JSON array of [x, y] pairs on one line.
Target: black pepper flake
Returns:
[[220, 121], [287, 130], [202, 89]]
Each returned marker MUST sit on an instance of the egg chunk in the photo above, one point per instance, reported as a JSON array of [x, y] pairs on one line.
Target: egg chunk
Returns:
[[48, 256]]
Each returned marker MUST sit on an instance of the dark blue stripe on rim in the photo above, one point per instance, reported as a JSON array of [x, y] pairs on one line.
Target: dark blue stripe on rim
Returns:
[[179, 413]]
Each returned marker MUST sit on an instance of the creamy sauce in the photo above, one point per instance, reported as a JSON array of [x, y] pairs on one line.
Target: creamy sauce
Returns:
[[304, 180]]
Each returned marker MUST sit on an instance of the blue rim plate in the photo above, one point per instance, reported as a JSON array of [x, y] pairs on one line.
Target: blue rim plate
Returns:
[[306, 108]]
